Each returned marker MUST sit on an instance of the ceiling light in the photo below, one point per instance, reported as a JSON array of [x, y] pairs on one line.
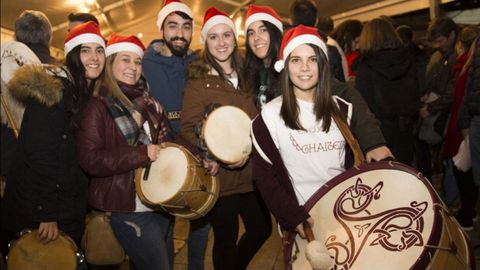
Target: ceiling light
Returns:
[[83, 8], [238, 25]]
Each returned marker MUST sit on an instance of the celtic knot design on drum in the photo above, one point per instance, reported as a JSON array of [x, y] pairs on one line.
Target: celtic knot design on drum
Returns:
[[394, 230]]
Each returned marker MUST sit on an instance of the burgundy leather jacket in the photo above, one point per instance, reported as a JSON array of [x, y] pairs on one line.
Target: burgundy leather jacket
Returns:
[[107, 158]]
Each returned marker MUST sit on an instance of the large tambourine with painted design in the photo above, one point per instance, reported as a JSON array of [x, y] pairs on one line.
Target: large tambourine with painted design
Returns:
[[383, 215]]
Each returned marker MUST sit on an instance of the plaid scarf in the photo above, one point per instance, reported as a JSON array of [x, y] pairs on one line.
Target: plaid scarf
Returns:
[[130, 121]]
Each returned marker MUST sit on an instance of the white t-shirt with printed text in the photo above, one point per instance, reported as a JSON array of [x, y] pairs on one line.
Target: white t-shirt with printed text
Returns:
[[312, 157]]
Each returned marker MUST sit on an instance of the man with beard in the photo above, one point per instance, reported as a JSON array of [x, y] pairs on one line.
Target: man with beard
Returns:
[[164, 66], [442, 33], [166, 59], [439, 82]]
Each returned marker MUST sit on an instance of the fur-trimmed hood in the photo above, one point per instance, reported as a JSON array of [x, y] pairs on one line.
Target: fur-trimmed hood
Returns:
[[37, 82], [197, 69]]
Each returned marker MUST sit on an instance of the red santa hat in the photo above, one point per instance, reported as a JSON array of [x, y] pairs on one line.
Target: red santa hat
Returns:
[[295, 37], [118, 43], [172, 6], [262, 13], [213, 17], [84, 33]]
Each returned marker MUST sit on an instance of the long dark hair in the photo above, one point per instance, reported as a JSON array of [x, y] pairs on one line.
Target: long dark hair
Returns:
[[82, 89], [254, 64], [236, 62], [346, 32], [324, 106]]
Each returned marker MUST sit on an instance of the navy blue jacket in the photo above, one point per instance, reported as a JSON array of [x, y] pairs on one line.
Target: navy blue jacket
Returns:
[[166, 77]]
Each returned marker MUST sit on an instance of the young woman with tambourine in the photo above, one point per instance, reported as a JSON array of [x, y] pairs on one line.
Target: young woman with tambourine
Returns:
[[121, 130], [217, 79]]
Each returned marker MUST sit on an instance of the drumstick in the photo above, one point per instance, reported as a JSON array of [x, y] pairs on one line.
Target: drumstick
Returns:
[[147, 171], [10, 119], [316, 252]]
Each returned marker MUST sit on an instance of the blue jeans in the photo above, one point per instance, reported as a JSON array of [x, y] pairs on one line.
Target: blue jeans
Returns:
[[146, 238], [450, 188], [197, 243], [475, 148]]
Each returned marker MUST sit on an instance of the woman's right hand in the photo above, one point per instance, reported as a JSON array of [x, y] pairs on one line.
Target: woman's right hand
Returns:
[[47, 231], [300, 228], [153, 150]]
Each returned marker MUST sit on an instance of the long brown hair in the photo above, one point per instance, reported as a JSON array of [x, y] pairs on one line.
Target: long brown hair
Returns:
[[324, 107], [107, 85], [467, 37], [236, 62], [378, 34]]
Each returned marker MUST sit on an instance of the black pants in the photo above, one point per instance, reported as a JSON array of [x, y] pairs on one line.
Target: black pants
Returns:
[[428, 158], [398, 132], [468, 192], [227, 254]]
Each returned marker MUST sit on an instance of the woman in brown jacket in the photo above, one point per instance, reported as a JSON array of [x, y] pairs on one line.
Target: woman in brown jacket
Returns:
[[215, 79], [117, 134]]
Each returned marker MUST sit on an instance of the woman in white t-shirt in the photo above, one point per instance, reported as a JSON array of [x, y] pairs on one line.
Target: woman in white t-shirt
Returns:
[[301, 137]]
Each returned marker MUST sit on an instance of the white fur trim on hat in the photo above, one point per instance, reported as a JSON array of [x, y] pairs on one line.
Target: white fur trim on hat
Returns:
[[123, 47], [297, 41], [263, 17], [172, 7], [81, 39], [217, 19]]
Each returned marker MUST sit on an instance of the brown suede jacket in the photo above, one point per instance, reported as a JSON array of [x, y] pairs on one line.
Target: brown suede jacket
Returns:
[[201, 90]]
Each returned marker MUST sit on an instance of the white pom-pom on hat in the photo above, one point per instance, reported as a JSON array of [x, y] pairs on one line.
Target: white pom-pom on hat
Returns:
[[279, 65]]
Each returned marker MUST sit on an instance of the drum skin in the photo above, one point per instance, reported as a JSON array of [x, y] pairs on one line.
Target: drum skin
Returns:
[[382, 215], [30, 253], [178, 183], [226, 132]]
